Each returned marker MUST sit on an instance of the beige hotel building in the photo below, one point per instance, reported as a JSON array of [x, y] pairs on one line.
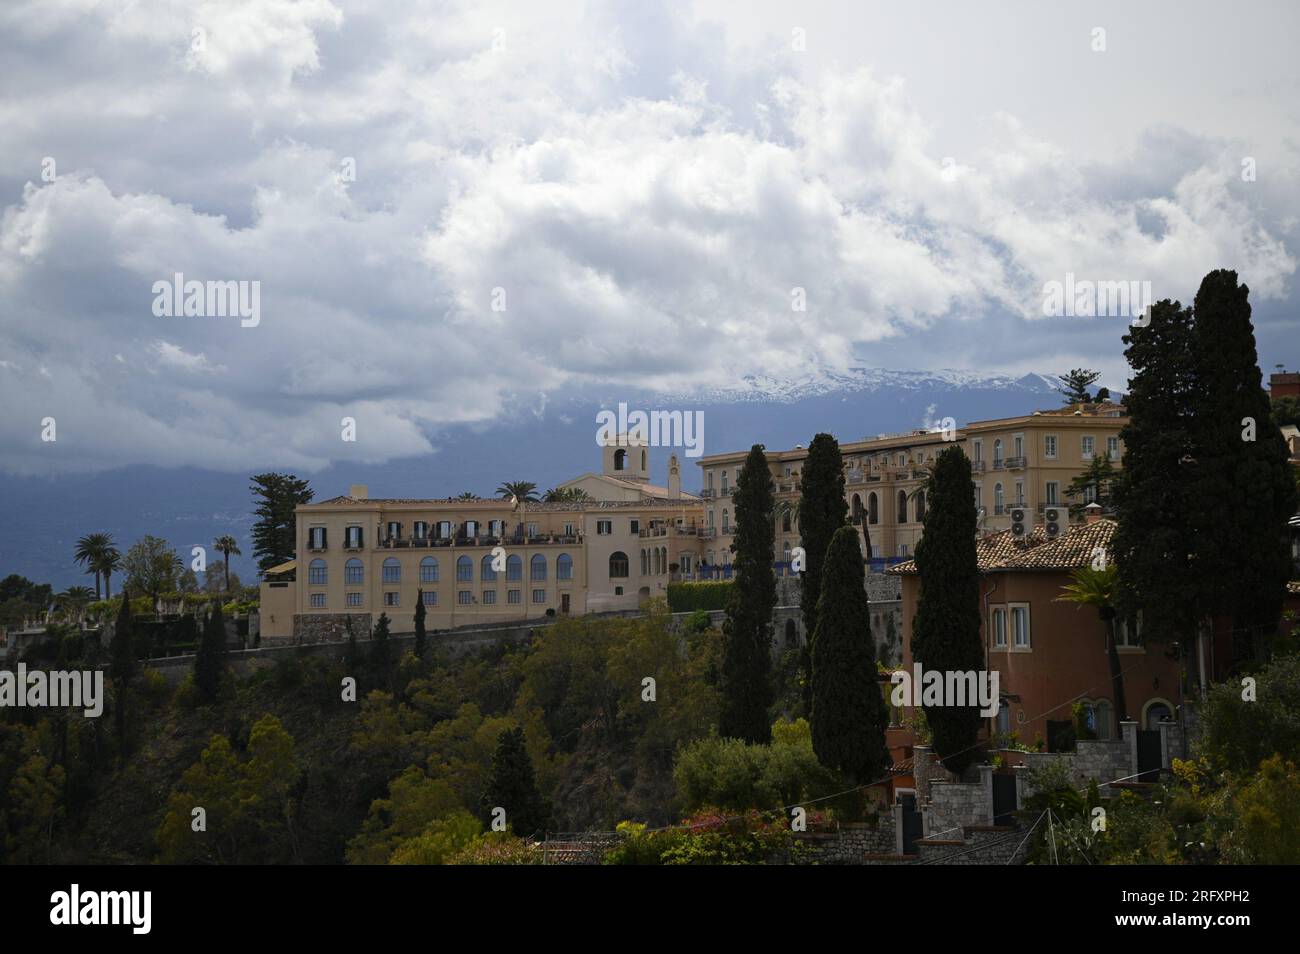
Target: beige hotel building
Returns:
[[359, 555]]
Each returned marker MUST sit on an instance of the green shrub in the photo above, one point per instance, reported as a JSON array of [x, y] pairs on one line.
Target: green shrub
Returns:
[[706, 595]]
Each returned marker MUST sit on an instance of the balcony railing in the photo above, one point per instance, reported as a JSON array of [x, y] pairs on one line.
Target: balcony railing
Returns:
[[482, 540], [977, 466], [707, 493], [708, 533], [1016, 463]]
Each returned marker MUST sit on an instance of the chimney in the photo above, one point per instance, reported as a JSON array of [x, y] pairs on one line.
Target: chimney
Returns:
[[1092, 513], [359, 492], [674, 479]]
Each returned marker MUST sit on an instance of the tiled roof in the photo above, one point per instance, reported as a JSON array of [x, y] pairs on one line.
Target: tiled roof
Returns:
[[1069, 551], [533, 507]]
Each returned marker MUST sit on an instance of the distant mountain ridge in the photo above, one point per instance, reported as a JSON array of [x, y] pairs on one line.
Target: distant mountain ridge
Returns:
[[546, 439]]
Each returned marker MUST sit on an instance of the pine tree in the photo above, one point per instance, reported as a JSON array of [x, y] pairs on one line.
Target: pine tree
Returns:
[[822, 511], [1154, 504], [421, 639], [849, 715], [512, 785], [746, 633], [210, 662], [946, 629], [1076, 384], [1241, 478], [274, 532], [1096, 483]]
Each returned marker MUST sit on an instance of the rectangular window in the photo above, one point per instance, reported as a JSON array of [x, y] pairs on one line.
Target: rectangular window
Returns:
[[568, 530], [1128, 632], [539, 596], [1020, 626], [979, 450], [1112, 448], [390, 598], [464, 597], [1018, 443], [532, 530], [429, 597], [316, 538], [354, 599], [1089, 446], [318, 601], [1053, 487], [1020, 493], [1049, 447], [394, 530], [420, 530], [999, 626], [352, 538], [636, 526], [489, 597], [902, 549], [604, 527], [514, 596]]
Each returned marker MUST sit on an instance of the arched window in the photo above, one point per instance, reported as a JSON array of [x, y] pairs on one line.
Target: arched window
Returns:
[[537, 568], [902, 506], [429, 570], [997, 498], [645, 561], [620, 459], [873, 508], [618, 565], [514, 568], [316, 573], [564, 567], [920, 505], [485, 571], [643, 460], [857, 509], [785, 521], [354, 572], [464, 570], [392, 570]]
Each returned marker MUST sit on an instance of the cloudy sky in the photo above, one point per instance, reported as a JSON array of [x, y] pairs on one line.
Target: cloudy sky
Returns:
[[646, 182]]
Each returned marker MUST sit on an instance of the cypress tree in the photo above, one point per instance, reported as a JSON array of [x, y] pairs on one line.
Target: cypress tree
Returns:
[[379, 649], [421, 640], [747, 631], [849, 715], [210, 662], [1154, 503], [822, 511], [946, 629], [122, 654], [1241, 479], [512, 785]]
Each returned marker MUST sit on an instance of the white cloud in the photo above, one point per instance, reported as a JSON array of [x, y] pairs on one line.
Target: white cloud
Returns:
[[647, 196]]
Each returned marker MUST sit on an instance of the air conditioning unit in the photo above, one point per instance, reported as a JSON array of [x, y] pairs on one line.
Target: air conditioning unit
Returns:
[[1053, 522], [1021, 524]]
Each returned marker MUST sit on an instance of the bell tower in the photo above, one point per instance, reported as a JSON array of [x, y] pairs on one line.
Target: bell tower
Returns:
[[627, 458]]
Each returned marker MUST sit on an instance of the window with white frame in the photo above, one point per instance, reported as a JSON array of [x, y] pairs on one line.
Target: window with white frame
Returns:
[[604, 527], [1088, 447], [352, 538], [1112, 448], [1049, 446], [1053, 488], [1020, 626], [998, 624], [316, 538], [1128, 632]]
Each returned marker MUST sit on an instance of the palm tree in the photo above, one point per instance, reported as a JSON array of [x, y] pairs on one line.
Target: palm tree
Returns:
[[525, 491], [1096, 588], [468, 495], [227, 545], [565, 495], [107, 565], [75, 599], [90, 551]]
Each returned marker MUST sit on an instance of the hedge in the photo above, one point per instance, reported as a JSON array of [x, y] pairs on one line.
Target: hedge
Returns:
[[710, 595]]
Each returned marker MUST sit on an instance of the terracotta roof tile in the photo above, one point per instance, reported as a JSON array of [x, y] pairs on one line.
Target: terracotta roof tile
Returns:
[[1069, 551]]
